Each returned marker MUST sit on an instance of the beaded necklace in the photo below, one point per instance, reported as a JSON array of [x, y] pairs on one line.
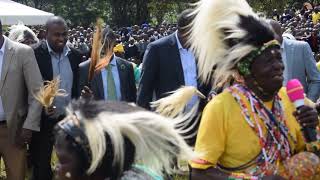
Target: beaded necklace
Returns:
[[275, 145]]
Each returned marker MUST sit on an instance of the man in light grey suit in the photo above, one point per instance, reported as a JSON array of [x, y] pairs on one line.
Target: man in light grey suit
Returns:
[[299, 63], [20, 79]]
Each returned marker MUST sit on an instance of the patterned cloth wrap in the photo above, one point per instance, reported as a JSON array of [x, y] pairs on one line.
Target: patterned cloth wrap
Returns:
[[302, 166]]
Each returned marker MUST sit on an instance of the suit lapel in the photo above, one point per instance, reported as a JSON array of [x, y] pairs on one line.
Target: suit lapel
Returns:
[[98, 81], [177, 59], [7, 58], [122, 77], [46, 63]]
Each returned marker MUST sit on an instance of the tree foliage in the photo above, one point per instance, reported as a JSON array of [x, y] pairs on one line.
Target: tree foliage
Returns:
[[128, 12]]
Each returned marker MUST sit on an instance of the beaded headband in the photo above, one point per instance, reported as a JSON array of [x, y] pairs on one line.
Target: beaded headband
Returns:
[[244, 65], [74, 128]]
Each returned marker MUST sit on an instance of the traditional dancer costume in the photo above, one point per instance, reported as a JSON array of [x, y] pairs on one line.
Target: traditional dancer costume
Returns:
[[239, 132]]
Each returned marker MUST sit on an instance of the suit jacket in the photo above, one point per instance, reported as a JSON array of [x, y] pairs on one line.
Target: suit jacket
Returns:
[[45, 65], [300, 64], [126, 75], [20, 81], [162, 72], [44, 61]]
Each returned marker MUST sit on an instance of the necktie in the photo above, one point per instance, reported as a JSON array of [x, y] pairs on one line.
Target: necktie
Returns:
[[111, 86]]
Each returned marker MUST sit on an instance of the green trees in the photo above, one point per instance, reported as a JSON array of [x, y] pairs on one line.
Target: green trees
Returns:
[[115, 12], [128, 12]]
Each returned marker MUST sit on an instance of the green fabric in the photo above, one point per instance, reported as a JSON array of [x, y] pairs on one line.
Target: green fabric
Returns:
[[137, 74], [148, 171], [111, 85]]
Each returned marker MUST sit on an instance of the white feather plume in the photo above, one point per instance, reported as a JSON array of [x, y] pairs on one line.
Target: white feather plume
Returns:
[[206, 37], [17, 32], [157, 142], [173, 105]]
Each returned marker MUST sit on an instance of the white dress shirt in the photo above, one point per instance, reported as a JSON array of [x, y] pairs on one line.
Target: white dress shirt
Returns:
[[116, 78], [189, 67]]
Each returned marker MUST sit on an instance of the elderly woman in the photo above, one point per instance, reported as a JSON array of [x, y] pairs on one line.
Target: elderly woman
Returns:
[[114, 140], [22, 34], [252, 129]]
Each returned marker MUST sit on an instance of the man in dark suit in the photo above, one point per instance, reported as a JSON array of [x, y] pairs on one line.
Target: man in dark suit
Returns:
[[168, 64], [54, 59], [113, 78]]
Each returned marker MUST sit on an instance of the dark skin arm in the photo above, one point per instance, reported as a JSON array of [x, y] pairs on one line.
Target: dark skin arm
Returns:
[[215, 174], [208, 174], [307, 117]]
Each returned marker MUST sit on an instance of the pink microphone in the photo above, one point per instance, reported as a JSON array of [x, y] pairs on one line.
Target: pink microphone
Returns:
[[296, 95], [295, 92]]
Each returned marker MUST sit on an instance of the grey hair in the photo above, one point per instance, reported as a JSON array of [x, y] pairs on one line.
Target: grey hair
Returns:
[[17, 33]]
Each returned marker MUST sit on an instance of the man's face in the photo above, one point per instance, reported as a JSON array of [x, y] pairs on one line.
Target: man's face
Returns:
[[57, 37]]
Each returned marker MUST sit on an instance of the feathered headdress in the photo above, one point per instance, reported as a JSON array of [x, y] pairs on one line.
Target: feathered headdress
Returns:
[[225, 33], [226, 36], [105, 134]]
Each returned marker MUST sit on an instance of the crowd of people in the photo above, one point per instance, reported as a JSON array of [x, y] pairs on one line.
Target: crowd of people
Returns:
[[302, 24], [233, 94], [132, 41]]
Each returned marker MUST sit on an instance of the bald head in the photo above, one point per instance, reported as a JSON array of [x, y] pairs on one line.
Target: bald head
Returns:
[[57, 33], [277, 29], [55, 20]]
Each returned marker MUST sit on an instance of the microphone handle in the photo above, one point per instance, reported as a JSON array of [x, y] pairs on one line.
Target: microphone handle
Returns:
[[310, 134]]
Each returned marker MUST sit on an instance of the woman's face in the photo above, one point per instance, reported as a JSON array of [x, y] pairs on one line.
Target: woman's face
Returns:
[[267, 70], [68, 165]]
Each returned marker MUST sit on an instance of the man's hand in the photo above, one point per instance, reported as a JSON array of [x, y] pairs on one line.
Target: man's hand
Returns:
[[307, 117], [86, 93], [24, 138], [51, 111]]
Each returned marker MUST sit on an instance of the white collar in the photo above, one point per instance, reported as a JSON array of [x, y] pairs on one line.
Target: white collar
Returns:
[[178, 41], [3, 45]]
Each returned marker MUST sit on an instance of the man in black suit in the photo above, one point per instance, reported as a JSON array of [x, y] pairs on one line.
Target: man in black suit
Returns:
[[54, 59], [168, 64], [113, 78]]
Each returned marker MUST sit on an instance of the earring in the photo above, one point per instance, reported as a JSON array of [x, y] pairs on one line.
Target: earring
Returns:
[[68, 175]]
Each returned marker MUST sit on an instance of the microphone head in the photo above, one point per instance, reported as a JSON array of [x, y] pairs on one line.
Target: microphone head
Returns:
[[295, 91]]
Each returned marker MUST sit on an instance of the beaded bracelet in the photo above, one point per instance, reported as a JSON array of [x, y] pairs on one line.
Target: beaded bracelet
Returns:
[[313, 146], [242, 176]]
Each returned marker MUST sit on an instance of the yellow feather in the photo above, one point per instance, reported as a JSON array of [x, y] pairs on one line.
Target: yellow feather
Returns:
[[50, 90]]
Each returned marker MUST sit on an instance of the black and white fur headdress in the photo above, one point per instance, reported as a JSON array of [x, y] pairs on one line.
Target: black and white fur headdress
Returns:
[[154, 140], [223, 33]]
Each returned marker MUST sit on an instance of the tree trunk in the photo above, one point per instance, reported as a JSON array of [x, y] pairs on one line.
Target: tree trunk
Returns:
[[142, 13]]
